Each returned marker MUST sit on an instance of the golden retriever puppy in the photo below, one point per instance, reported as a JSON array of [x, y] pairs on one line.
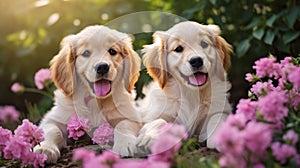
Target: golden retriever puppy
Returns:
[[188, 63], [94, 72]]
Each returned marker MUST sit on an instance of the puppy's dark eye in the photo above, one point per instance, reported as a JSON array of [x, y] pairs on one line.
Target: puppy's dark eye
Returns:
[[112, 51], [204, 44], [178, 49], [86, 53]]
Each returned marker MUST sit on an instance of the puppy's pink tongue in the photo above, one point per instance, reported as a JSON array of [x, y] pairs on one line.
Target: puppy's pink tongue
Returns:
[[198, 79], [102, 87]]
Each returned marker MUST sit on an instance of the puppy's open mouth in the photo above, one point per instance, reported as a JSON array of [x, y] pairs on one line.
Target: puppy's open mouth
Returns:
[[197, 79], [101, 87]]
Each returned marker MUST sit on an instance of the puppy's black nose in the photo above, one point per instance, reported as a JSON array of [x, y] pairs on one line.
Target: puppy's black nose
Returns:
[[102, 68], [196, 62]]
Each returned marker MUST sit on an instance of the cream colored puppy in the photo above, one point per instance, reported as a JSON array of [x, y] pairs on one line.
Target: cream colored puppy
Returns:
[[188, 63], [94, 72]]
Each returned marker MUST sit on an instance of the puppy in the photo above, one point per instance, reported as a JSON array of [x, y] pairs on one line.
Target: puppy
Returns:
[[188, 63], [94, 72]]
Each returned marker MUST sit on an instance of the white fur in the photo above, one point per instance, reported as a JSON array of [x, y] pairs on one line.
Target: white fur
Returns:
[[201, 109], [72, 73]]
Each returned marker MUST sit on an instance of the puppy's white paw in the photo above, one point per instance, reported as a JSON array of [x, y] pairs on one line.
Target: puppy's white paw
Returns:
[[125, 145], [149, 133], [51, 151]]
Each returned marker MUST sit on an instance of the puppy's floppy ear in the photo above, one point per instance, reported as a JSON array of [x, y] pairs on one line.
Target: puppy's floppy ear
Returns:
[[62, 66], [224, 49], [155, 58], [132, 65]]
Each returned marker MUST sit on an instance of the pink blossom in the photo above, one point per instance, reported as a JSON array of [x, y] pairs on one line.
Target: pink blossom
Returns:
[[135, 163], [294, 77], [228, 160], [238, 120], [16, 148], [283, 151], [103, 134], [17, 88], [83, 154], [249, 77], [9, 114], [291, 136], [261, 88], [89, 158], [247, 108], [5, 135], [229, 139], [42, 77], [34, 159], [168, 142], [294, 98], [273, 107], [267, 67], [77, 126], [258, 137], [29, 133]]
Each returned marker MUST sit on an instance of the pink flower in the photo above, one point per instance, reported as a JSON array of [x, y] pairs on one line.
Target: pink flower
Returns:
[[42, 77], [283, 151], [294, 77], [9, 114], [135, 163], [34, 159], [257, 137], [29, 133], [261, 88], [16, 148], [238, 120], [267, 67], [5, 135], [17, 88], [273, 107], [291, 136], [247, 108], [229, 139], [249, 77], [83, 154], [105, 160], [78, 126], [168, 142], [103, 134]]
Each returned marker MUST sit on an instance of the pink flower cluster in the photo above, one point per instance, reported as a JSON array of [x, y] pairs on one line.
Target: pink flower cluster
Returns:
[[77, 127], [163, 151], [246, 137], [103, 134], [42, 77], [9, 114], [19, 145]]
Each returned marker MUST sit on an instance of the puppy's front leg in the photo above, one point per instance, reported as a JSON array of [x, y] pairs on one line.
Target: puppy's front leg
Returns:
[[54, 140], [125, 135], [212, 126]]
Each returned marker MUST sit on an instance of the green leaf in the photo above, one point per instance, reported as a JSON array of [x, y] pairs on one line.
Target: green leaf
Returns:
[[269, 38], [271, 20], [243, 47], [255, 22], [292, 15], [290, 36], [213, 2], [258, 34]]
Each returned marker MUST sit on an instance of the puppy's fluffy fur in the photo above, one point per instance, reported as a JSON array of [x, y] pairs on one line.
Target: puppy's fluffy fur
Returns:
[[188, 63], [94, 72]]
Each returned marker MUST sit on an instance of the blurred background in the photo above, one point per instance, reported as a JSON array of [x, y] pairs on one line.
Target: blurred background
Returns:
[[31, 31]]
